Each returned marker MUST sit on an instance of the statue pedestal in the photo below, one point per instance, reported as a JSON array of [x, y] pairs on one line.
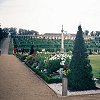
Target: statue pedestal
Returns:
[[64, 86]]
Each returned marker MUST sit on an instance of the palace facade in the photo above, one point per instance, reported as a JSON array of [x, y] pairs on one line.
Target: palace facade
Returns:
[[58, 36]]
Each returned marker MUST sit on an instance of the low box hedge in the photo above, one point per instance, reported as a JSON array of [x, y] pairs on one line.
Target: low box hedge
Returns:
[[44, 76]]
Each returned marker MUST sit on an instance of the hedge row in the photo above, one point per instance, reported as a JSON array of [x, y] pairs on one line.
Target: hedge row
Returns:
[[44, 76], [98, 81], [21, 57]]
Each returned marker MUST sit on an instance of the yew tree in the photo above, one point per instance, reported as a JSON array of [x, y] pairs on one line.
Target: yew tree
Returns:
[[80, 76]]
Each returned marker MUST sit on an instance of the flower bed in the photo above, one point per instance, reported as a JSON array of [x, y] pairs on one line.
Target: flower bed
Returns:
[[21, 57], [45, 65], [45, 77]]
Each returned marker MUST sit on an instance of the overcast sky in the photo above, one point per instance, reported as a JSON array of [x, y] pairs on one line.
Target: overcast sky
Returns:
[[48, 16]]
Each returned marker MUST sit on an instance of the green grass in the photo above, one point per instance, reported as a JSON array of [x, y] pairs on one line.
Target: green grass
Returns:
[[95, 63]]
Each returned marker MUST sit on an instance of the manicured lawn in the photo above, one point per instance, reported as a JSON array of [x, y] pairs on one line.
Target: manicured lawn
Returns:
[[95, 62]]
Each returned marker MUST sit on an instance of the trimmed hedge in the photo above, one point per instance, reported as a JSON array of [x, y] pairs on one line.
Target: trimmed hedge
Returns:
[[44, 76], [98, 81], [21, 57]]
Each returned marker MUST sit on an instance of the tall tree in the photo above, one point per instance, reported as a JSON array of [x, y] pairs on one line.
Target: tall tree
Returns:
[[97, 33], [5, 32], [32, 50], [13, 31], [92, 33], [27, 32], [86, 32], [80, 76], [1, 34]]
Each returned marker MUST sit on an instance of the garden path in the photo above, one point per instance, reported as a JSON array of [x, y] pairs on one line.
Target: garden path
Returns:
[[17, 82], [5, 46]]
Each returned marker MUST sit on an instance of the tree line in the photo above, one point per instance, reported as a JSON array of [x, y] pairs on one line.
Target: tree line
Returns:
[[13, 31], [3, 33], [93, 33]]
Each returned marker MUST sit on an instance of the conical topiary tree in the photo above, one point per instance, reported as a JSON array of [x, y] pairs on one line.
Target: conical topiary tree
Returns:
[[32, 50], [80, 76]]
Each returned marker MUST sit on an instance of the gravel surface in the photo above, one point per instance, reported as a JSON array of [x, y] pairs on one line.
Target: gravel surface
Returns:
[[5, 46], [18, 83], [58, 89]]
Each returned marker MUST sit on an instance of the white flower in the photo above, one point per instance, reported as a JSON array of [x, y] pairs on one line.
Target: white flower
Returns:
[[60, 56]]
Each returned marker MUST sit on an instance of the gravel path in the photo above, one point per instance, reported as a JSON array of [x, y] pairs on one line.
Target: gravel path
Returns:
[[5, 46], [18, 83], [57, 87]]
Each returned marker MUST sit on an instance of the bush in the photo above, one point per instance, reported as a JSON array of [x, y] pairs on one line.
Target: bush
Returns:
[[98, 81], [21, 57], [53, 66], [31, 60], [44, 76]]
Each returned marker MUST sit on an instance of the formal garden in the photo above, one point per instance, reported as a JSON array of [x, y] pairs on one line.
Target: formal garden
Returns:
[[44, 58], [46, 65], [50, 45], [53, 45]]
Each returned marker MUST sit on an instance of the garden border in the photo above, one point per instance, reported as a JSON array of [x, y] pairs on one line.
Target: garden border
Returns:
[[58, 95]]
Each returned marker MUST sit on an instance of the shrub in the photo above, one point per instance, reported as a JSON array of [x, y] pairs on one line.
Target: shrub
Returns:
[[44, 76], [98, 81], [31, 60], [53, 66], [21, 57], [80, 76]]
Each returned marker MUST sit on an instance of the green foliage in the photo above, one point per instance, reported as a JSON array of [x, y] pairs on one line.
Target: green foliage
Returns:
[[21, 57], [32, 50], [31, 60], [52, 45], [80, 76], [53, 66], [3, 34], [39, 44], [45, 77], [40, 62], [98, 81], [27, 32]]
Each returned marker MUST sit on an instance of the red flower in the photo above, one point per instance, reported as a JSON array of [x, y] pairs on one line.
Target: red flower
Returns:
[[66, 65], [33, 58]]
